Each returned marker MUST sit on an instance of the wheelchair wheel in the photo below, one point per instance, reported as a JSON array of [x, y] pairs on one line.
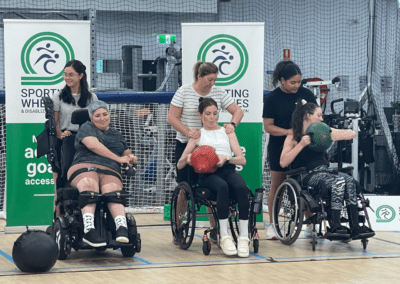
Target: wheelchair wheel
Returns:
[[61, 237], [314, 241], [256, 245], [287, 212], [364, 243], [101, 249], [206, 247], [183, 215], [128, 251]]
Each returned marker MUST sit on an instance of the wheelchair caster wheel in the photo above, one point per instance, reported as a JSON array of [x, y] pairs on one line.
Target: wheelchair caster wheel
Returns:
[[138, 243], [101, 249], [364, 243], [206, 247], [62, 239], [128, 251], [256, 245], [314, 242]]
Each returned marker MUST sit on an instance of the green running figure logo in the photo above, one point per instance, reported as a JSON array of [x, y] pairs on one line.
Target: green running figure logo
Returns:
[[385, 213], [229, 54], [43, 58]]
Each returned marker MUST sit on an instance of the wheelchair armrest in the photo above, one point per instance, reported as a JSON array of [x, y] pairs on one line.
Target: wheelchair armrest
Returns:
[[296, 171]]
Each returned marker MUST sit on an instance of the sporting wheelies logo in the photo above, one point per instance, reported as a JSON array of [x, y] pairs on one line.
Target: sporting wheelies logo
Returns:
[[385, 213], [230, 56], [43, 58]]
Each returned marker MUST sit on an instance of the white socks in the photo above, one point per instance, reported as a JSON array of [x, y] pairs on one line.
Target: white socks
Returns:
[[120, 221], [244, 228], [223, 228], [88, 222]]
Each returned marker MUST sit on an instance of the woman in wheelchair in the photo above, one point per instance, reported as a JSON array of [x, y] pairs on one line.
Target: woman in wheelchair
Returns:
[[100, 150], [225, 178], [342, 186]]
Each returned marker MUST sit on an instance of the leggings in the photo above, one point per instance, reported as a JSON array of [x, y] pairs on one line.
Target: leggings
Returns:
[[187, 173], [342, 186], [221, 182]]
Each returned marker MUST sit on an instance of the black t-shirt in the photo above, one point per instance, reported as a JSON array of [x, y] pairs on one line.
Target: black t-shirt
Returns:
[[310, 159], [279, 106], [110, 138]]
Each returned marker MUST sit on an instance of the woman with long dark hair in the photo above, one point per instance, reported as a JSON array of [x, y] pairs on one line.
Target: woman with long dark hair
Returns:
[[341, 186], [277, 114], [75, 95]]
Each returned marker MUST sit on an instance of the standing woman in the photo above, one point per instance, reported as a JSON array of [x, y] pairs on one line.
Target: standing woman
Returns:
[[277, 115], [182, 115], [75, 95]]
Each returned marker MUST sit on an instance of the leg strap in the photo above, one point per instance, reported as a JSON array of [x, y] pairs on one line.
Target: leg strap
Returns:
[[88, 197], [93, 169], [119, 196]]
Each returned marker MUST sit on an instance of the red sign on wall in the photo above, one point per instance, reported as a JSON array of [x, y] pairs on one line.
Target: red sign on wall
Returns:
[[286, 54]]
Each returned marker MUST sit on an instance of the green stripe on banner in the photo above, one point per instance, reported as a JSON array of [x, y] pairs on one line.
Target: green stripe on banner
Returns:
[[30, 188]]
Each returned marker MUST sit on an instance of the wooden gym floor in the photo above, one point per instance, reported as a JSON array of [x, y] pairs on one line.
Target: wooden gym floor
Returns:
[[162, 262]]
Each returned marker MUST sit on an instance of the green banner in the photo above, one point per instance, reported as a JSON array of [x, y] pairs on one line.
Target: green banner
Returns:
[[30, 186]]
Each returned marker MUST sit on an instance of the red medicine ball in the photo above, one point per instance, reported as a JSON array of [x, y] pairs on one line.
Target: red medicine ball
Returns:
[[204, 159]]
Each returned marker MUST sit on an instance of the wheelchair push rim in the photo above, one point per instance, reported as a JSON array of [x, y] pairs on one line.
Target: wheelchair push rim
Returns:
[[287, 212], [183, 215]]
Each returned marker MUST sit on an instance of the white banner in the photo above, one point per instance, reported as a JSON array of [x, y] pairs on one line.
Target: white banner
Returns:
[[36, 52], [238, 51], [387, 213]]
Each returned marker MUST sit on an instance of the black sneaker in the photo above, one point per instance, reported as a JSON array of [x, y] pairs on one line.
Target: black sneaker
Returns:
[[94, 239], [122, 235]]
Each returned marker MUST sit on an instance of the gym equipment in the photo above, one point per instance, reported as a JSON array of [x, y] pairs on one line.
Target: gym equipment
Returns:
[[320, 135], [317, 83], [35, 251], [204, 159]]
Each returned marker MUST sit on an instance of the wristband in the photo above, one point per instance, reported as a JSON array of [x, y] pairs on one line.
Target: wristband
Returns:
[[234, 124]]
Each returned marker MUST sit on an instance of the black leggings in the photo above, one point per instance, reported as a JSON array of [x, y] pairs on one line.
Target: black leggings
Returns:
[[187, 173], [342, 186], [220, 182]]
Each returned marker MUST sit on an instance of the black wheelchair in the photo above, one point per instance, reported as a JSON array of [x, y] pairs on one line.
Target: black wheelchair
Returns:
[[185, 206], [68, 229], [293, 198]]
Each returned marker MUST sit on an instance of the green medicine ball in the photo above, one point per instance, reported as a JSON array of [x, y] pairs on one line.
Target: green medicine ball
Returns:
[[320, 135]]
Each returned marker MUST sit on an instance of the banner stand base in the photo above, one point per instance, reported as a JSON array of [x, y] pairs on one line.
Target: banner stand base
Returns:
[[22, 229]]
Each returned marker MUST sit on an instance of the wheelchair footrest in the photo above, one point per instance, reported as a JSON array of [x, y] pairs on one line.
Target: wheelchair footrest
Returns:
[[336, 237]]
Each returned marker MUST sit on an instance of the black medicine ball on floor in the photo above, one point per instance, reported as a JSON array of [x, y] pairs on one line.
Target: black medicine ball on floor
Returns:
[[35, 251], [320, 135]]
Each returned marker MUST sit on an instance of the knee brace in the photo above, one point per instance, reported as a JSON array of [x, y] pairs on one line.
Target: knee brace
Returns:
[[119, 196], [88, 197]]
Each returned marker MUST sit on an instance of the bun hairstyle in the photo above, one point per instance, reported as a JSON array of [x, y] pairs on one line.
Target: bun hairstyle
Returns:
[[206, 102], [299, 115], [86, 96], [286, 69], [203, 69]]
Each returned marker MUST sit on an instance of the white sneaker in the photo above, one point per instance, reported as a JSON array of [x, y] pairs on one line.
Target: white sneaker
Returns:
[[309, 232], [271, 233], [227, 246], [243, 247]]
